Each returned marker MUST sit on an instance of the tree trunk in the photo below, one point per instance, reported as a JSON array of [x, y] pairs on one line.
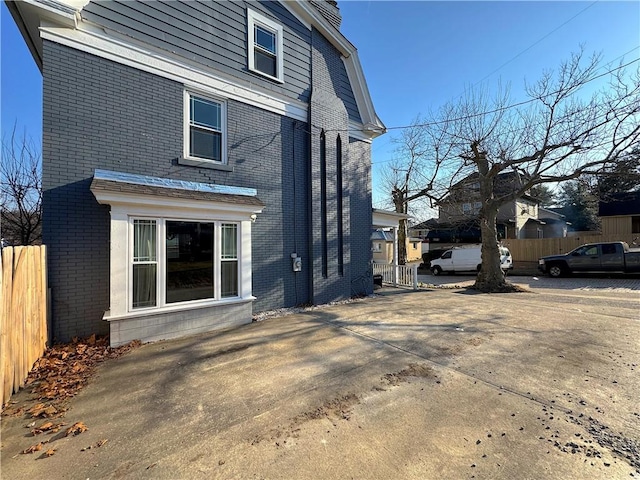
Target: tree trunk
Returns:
[[490, 277], [402, 242], [400, 203]]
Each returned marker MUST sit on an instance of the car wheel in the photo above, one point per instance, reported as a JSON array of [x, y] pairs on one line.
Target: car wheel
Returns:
[[436, 271], [556, 271]]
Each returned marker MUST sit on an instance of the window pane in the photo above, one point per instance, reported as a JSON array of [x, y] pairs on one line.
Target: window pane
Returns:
[[265, 63], [144, 241], [206, 144], [189, 261], [205, 113], [144, 285], [265, 39], [229, 281], [229, 241]]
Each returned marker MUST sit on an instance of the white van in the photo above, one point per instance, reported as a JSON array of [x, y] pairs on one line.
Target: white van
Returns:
[[467, 259]]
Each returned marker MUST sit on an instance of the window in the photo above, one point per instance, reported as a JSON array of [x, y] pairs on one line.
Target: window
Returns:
[[635, 224], [205, 129], [446, 254], [377, 246], [466, 208], [265, 46], [145, 264], [200, 261]]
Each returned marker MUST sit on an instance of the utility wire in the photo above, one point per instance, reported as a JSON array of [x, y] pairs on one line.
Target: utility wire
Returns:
[[535, 43], [499, 109]]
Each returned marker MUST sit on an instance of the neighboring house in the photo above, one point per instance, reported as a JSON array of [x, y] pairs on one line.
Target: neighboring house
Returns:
[[620, 215], [520, 218], [382, 247], [420, 230], [201, 161]]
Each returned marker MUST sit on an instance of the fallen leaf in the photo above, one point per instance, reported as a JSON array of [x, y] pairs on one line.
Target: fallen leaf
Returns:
[[76, 429], [33, 448], [101, 442], [50, 452]]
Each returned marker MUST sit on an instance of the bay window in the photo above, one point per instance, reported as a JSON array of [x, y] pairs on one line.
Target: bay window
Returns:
[[199, 261]]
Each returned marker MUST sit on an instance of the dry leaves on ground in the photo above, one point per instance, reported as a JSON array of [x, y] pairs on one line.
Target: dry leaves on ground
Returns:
[[47, 427], [76, 429], [34, 448], [63, 370]]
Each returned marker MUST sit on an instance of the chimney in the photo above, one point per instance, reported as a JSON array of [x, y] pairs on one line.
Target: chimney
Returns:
[[329, 10]]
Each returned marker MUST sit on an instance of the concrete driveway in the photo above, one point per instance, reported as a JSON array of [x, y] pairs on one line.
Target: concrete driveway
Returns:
[[429, 384]]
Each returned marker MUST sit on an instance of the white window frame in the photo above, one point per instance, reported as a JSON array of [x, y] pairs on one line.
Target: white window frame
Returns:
[[255, 19], [187, 127], [127, 206], [161, 264]]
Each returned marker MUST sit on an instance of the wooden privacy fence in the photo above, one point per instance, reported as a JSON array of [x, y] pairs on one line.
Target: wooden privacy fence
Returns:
[[23, 314], [531, 249]]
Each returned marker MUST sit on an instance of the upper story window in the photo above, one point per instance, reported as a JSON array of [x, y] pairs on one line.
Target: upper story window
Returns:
[[265, 46], [205, 137]]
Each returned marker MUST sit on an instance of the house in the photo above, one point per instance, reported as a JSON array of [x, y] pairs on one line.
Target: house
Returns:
[[522, 217], [382, 246], [620, 214], [201, 161]]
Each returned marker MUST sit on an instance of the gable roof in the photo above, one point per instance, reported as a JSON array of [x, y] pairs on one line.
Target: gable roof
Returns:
[[28, 15]]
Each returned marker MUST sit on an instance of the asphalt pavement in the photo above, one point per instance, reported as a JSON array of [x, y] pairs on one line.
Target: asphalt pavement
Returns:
[[433, 384]]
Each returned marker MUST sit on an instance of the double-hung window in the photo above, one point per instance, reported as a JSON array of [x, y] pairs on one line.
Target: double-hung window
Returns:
[[264, 43], [205, 128], [175, 261]]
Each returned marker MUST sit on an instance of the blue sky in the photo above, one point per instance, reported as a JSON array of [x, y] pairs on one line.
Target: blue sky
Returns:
[[416, 55]]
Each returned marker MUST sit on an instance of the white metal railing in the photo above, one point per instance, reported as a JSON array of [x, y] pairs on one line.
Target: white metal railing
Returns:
[[398, 275]]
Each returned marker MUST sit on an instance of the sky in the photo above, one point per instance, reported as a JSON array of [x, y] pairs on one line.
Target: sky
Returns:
[[416, 55]]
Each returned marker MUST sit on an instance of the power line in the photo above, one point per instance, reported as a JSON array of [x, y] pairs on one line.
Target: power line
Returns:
[[500, 109], [536, 43]]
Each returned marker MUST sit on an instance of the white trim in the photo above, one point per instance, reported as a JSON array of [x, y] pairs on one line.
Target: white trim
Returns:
[[307, 12], [357, 131], [187, 127], [102, 45], [176, 308], [141, 204], [254, 18], [121, 239]]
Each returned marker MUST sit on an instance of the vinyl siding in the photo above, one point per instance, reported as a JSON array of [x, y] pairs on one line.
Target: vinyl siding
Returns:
[[211, 34]]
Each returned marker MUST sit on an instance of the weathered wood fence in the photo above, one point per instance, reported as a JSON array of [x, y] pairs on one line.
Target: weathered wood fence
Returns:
[[23, 314], [531, 249]]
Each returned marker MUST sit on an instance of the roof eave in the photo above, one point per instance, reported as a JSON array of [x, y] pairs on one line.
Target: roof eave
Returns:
[[372, 125], [29, 15]]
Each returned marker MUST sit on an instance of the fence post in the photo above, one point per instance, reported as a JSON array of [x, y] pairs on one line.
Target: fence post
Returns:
[[414, 273]]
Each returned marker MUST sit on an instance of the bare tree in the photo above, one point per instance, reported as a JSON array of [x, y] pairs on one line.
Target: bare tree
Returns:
[[554, 136], [20, 190]]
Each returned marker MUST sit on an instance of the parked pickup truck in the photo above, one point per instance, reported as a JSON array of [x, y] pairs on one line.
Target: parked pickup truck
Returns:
[[611, 257]]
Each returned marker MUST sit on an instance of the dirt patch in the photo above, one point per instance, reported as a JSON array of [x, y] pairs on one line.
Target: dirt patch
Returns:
[[504, 288], [334, 410], [339, 408], [625, 448], [413, 370]]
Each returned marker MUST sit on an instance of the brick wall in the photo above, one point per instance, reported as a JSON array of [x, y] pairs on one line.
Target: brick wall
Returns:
[[100, 114]]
